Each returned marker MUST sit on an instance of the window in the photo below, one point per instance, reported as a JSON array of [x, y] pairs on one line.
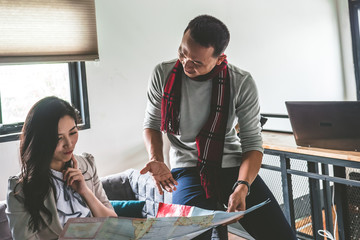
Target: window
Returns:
[[354, 8], [42, 46], [23, 85]]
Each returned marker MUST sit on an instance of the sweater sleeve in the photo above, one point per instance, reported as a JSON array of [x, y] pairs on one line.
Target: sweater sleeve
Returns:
[[96, 185], [154, 95], [248, 113]]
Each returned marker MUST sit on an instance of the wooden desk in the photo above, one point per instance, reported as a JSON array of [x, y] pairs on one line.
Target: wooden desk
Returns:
[[286, 142], [318, 162]]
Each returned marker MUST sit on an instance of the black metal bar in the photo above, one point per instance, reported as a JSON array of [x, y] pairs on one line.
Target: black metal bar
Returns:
[[315, 159], [316, 210], [270, 167], [327, 199], [277, 131], [340, 182], [85, 100], [323, 177], [354, 7], [341, 205], [314, 175], [10, 132], [274, 115], [303, 236], [78, 87], [287, 191], [10, 137]]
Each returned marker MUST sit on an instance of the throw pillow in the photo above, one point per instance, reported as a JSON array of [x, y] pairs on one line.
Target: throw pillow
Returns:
[[128, 208]]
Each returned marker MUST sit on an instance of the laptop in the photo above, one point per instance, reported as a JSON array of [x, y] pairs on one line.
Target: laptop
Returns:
[[326, 124]]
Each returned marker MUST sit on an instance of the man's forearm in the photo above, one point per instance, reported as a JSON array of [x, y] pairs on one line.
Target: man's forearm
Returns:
[[154, 144], [250, 166]]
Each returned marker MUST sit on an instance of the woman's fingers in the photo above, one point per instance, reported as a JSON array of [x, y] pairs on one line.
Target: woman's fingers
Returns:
[[75, 162], [70, 173], [74, 178]]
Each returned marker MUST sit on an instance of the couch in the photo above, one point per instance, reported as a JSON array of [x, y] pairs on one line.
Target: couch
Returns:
[[4, 227], [127, 185], [131, 185]]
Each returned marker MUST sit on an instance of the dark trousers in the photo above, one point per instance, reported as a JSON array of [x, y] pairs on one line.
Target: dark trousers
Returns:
[[267, 222]]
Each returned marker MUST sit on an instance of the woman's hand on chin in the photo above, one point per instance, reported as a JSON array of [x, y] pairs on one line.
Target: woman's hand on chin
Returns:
[[74, 178]]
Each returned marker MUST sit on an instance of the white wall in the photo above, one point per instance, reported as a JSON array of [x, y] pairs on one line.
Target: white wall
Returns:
[[291, 48]]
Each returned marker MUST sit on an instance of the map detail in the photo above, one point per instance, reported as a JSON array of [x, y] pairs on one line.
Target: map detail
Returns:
[[142, 227], [196, 222]]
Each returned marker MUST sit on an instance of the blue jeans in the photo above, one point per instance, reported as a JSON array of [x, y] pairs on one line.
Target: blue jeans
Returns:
[[267, 222]]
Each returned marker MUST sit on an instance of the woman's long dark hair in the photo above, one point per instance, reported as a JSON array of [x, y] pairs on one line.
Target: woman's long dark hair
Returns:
[[38, 141]]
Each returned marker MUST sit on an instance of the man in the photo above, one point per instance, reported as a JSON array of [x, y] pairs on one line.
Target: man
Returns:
[[197, 100]]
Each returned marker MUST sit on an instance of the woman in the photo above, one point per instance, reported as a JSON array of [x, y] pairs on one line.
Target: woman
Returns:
[[54, 185]]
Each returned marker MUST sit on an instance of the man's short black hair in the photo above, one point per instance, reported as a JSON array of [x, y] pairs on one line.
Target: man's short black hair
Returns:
[[209, 31]]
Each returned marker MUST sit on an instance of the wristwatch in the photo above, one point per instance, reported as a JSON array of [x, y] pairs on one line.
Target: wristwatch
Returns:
[[242, 182]]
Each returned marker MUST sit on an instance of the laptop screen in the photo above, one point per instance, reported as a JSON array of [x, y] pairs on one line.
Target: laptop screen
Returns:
[[329, 124]]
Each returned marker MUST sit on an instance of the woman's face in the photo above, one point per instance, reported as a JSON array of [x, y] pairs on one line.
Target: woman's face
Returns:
[[67, 139]]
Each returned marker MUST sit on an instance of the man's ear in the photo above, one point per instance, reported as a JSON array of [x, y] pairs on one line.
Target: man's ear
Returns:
[[221, 58]]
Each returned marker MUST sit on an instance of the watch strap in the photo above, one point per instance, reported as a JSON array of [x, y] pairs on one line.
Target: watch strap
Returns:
[[242, 182]]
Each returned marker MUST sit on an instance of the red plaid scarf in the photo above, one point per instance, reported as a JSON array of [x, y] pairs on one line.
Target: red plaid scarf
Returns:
[[210, 140]]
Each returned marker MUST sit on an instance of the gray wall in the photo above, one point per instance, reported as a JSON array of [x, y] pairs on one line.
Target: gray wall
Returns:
[[292, 49]]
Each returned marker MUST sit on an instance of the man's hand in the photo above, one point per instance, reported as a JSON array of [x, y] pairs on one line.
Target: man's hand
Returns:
[[161, 175], [237, 200], [250, 165]]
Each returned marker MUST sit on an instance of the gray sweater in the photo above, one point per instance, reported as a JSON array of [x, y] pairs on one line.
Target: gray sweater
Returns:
[[194, 112]]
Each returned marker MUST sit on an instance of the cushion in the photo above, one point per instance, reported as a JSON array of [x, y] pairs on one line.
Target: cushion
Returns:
[[145, 189], [117, 186], [130, 208], [4, 226]]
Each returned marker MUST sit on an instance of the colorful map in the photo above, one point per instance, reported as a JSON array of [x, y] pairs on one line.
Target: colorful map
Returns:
[[195, 223]]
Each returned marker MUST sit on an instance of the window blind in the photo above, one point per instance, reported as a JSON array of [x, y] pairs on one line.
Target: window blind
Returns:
[[47, 31]]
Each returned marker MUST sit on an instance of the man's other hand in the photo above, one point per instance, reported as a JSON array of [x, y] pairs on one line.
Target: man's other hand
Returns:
[[161, 175], [237, 201]]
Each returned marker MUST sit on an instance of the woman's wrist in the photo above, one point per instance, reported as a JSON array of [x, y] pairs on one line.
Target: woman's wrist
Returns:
[[86, 193]]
